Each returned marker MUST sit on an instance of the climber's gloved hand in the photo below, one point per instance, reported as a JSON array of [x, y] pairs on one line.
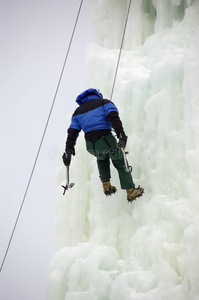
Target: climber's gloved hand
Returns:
[[122, 140], [67, 156]]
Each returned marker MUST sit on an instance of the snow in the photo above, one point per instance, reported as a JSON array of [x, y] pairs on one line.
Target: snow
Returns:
[[106, 248]]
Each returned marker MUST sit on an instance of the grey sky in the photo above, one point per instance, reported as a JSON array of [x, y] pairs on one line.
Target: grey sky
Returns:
[[34, 40]]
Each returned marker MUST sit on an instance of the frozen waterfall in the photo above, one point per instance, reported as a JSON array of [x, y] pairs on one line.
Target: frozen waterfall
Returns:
[[106, 248]]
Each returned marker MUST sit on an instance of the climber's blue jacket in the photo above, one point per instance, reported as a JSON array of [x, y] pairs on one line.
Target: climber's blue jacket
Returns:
[[95, 116]]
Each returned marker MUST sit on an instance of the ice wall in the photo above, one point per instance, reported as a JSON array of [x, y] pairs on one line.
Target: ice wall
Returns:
[[146, 18], [106, 248]]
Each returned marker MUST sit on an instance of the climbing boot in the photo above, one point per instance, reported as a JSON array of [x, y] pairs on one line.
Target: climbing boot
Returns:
[[134, 193], [108, 188]]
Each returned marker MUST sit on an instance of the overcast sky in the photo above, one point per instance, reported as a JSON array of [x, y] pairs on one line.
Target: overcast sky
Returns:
[[34, 37]]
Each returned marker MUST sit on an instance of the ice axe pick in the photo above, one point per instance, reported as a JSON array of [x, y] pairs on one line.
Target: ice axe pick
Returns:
[[68, 185]]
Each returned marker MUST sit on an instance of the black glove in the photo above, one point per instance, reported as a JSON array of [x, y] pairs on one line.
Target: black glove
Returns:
[[67, 156], [122, 140]]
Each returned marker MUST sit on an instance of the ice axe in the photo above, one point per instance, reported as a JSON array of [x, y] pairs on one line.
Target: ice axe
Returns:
[[127, 167], [68, 185]]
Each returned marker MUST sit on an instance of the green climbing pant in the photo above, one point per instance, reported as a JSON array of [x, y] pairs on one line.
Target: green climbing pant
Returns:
[[105, 148]]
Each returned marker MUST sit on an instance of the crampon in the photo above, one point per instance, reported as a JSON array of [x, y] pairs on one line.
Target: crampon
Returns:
[[110, 190], [135, 193]]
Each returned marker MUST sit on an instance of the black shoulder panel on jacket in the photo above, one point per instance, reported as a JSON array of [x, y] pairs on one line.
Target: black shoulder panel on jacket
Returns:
[[90, 105]]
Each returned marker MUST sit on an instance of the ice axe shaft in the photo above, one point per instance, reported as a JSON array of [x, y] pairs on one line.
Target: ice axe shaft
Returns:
[[68, 184], [127, 167]]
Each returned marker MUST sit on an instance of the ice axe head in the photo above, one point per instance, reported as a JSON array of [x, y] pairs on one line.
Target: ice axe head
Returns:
[[67, 187]]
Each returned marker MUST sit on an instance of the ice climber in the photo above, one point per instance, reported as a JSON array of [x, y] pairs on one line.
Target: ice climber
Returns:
[[96, 117]]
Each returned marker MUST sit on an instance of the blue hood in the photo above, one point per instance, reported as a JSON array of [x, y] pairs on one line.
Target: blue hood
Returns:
[[87, 95]]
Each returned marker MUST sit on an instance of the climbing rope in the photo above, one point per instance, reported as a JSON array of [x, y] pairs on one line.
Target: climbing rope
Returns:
[[118, 61], [42, 139]]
